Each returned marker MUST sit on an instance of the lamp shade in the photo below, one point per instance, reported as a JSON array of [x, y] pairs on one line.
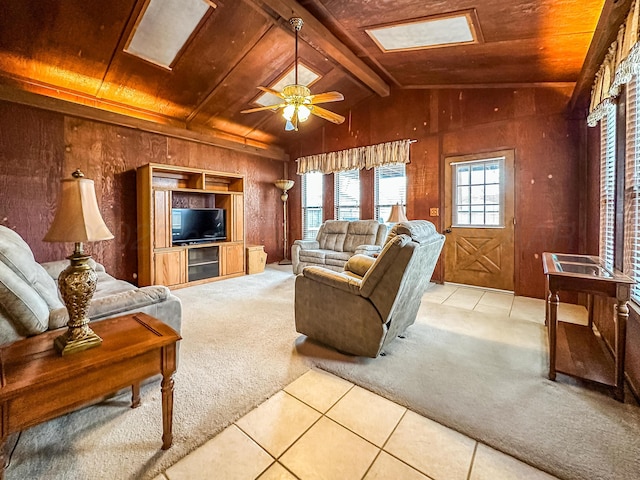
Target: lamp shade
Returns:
[[284, 184], [397, 214], [77, 217]]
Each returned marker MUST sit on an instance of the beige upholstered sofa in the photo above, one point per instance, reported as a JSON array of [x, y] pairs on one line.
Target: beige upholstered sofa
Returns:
[[30, 304], [363, 308], [336, 242]]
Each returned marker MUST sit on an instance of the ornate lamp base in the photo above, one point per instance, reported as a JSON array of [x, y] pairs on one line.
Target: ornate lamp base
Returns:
[[76, 340], [284, 261], [77, 284]]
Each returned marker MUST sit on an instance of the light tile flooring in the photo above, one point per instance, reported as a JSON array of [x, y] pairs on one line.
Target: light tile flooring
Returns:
[[323, 427]]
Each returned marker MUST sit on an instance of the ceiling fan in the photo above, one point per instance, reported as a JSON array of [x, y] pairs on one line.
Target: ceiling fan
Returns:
[[297, 102]]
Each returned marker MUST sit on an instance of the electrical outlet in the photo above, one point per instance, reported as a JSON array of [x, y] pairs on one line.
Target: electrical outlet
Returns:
[[434, 212]]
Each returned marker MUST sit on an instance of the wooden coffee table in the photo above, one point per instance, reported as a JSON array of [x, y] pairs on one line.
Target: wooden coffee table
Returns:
[[37, 384]]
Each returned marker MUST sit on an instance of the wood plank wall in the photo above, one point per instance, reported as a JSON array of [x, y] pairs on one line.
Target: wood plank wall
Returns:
[[466, 121], [38, 148]]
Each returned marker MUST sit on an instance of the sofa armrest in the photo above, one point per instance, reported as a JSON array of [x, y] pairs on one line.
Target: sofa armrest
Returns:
[[359, 264], [128, 301], [307, 244], [368, 249], [55, 268], [339, 280]]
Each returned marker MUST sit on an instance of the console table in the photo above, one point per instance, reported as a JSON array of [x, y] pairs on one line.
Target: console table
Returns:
[[38, 384], [575, 350]]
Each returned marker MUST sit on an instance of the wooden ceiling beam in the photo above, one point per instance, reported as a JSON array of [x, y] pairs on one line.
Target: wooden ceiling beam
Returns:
[[321, 37], [99, 111], [614, 12]]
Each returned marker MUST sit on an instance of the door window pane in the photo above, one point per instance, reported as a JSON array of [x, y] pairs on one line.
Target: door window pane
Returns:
[[477, 175], [463, 175], [492, 194]]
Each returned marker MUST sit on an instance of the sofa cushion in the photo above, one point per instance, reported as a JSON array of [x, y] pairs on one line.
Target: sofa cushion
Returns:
[[108, 285], [134, 299], [361, 232], [314, 256], [337, 258], [332, 235], [16, 255], [28, 311]]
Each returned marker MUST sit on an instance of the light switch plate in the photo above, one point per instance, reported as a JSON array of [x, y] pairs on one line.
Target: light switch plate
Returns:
[[434, 212]]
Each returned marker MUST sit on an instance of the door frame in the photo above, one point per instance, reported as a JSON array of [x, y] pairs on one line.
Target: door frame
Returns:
[[500, 151]]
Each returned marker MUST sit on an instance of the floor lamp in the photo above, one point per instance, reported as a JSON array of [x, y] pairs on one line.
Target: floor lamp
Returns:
[[284, 185]]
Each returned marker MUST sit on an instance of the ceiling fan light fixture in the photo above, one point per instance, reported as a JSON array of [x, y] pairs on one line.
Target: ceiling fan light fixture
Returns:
[[296, 100], [288, 111], [303, 113]]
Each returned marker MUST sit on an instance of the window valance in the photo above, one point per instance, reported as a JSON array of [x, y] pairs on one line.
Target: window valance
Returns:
[[621, 63], [356, 158]]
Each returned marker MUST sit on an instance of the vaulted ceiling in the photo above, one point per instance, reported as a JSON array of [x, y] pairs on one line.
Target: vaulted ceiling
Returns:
[[74, 50]]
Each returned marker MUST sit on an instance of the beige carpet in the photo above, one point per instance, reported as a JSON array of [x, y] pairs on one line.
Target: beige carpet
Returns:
[[479, 374], [238, 349], [485, 376]]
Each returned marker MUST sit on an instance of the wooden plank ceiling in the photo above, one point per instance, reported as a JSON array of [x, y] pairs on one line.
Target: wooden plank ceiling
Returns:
[[74, 51]]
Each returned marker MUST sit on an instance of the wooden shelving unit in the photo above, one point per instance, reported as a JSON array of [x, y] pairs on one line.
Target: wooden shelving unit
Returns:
[[161, 188]]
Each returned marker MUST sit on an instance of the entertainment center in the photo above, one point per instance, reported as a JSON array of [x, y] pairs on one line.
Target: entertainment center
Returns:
[[190, 225]]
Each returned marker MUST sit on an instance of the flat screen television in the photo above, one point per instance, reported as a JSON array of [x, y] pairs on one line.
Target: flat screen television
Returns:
[[197, 225]]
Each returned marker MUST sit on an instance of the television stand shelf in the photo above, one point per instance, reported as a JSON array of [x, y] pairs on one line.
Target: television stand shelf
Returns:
[[163, 188], [203, 263]]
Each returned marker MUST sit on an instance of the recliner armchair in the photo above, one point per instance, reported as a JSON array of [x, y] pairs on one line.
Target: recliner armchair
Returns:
[[363, 308]]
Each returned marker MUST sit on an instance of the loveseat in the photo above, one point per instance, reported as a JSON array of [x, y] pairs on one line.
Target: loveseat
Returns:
[[30, 302], [362, 309], [336, 242]]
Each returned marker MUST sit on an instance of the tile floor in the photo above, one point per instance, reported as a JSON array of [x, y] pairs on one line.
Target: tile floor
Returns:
[[323, 427]]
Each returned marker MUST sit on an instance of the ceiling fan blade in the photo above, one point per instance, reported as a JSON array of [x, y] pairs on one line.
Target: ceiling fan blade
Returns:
[[260, 109], [326, 97], [272, 91], [327, 115]]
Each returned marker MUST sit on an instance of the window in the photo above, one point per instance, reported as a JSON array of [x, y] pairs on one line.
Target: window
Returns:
[[607, 186], [477, 193], [631, 262], [390, 188], [347, 195], [312, 188]]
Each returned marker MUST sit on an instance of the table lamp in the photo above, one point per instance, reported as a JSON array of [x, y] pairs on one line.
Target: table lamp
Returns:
[[397, 214], [77, 220]]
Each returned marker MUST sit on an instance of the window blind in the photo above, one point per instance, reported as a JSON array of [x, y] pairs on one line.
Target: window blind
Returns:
[[347, 195], [631, 262], [607, 185], [312, 188], [390, 188]]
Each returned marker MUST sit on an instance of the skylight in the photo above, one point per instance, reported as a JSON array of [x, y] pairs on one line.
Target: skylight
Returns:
[[306, 76], [164, 27], [451, 29]]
